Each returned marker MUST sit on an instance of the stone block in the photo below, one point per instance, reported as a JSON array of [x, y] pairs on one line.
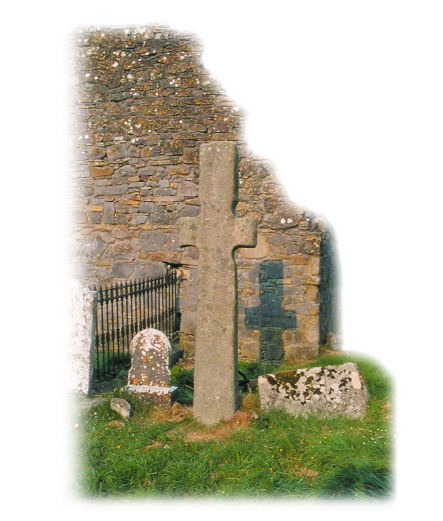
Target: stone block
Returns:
[[157, 269], [188, 210], [83, 306], [162, 218], [164, 191], [116, 151], [187, 189], [108, 213], [259, 252], [95, 217], [312, 332], [101, 171], [124, 250], [314, 266], [189, 322], [278, 239], [124, 172], [187, 342], [149, 171], [97, 152], [249, 350], [139, 219], [301, 259], [121, 407], [147, 207], [152, 240], [93, 247], [311, 245], [296, 351], [292, 248], [122, 270], [311, 293], [324, 391]]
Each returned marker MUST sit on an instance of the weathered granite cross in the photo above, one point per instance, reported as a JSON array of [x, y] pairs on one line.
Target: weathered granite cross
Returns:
[[217, 233]]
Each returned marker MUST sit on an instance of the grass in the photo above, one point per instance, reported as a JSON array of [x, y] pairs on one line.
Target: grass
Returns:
[[256, 454], [110, 363]]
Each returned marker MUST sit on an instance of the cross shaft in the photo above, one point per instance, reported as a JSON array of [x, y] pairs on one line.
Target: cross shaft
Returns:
[[216, 232]]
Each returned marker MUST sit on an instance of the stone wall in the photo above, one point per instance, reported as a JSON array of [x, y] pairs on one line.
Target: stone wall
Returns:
[[143, 105]]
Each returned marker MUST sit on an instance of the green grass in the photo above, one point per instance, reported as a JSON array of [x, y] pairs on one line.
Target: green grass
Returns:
[[108, 364], [274, 455]]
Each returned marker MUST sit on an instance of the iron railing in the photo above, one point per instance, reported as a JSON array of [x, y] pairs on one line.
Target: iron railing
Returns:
[[126, 308]]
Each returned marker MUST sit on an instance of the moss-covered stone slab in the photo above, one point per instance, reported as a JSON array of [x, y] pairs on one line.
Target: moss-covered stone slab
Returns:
[[324, 391]]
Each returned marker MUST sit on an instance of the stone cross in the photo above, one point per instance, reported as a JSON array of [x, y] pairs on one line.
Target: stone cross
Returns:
[[150, 375], [216, 232]]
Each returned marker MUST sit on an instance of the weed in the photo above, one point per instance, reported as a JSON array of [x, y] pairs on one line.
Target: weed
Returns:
[[183, 379]]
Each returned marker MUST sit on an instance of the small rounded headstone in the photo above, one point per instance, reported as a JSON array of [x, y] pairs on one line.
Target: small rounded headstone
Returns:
[[150, 350], [150, 376]]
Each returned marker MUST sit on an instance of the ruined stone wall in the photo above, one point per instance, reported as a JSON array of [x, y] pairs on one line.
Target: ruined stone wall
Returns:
[[144, 104]]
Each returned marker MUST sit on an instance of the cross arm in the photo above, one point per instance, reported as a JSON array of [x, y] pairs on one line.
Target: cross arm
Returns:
[[245, 232]]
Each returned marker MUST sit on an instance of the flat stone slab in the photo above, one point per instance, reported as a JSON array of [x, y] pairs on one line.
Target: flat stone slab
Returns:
[[332, 390], [158, 396]]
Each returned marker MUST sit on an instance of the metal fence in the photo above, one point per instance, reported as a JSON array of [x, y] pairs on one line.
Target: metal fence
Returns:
[[126, 308]]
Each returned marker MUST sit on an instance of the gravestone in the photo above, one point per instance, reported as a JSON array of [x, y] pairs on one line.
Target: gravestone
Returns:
[[216, 232], [325, 391], [149, 376]]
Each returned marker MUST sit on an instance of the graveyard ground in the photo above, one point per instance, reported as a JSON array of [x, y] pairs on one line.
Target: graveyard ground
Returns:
[[257, 454]]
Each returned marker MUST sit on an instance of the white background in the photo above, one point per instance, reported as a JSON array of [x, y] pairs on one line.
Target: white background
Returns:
[[345, 98]]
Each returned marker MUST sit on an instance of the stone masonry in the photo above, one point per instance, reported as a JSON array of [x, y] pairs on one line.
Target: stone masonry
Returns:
[[143, 106]]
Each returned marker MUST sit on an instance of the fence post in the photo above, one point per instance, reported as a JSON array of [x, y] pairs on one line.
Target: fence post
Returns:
[[83, 308]]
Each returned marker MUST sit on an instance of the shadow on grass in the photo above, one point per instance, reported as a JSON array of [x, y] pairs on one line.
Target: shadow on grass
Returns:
[[354, 481]]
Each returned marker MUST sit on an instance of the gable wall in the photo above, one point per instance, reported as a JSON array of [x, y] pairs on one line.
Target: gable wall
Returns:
[[143, 105]]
